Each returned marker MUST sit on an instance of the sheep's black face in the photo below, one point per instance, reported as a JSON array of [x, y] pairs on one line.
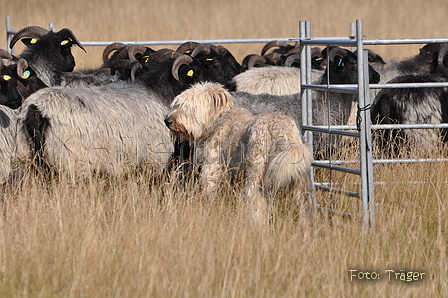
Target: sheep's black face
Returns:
[[66, 53], [9, 95], [54, 48], [344, 70]]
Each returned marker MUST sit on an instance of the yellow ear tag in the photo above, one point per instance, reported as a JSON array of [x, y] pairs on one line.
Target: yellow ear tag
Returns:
[[33, 40], [6, 77], [209, 59], [146, 59], [64, 42], [190, 73], [26, 75]]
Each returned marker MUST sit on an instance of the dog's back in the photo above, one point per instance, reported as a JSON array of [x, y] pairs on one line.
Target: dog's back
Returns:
[[274, 140]]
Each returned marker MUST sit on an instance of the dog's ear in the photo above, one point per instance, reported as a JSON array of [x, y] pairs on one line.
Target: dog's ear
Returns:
[[221, 100]]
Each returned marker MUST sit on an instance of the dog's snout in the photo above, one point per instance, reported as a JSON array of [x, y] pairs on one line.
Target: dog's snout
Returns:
[[168, 122]]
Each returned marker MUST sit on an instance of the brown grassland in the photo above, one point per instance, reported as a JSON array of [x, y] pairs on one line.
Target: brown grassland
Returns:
[[142, 236]]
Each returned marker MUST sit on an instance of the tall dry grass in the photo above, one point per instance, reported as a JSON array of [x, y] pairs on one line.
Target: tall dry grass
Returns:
[[137, 237]]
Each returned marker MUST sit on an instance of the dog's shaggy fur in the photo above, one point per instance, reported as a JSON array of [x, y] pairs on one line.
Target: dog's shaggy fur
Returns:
[[267, 150]]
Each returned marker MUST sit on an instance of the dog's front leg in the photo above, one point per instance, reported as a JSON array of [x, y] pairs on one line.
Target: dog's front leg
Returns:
[[212, 170]]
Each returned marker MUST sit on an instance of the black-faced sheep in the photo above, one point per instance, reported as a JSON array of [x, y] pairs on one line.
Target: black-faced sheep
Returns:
[[48, 53]]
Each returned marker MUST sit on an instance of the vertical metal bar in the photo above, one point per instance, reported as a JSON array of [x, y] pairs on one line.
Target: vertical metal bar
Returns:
[[352, 34], [52, 27], [365, 131], [309, 103], [307, 117], [8, 36], [303, 70]]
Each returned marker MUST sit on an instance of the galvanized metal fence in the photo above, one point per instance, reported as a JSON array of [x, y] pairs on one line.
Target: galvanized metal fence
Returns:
[[362, 131]]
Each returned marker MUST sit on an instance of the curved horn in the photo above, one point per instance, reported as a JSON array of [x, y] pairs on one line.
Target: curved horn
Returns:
[[134, 49], [170, 55], [164, 53], [124, 52], [201, 49], [5, 54], [184, 59], [271, 44], [254, 60], [22, 65], [67, 33], [442, 53], [291, 59], [30, 31], [219, 49], [335, 52], [315, 52], [295, 49], [187, 47], [134, 69], [110, 48]]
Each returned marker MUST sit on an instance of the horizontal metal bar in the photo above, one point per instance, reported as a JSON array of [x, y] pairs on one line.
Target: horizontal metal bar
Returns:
[[337, 190], [336, 168], [383, 126], [339, 162], [384, 161], [334, 88], [408, 85], [177, 42], [411, 160], [399, 41], [327, 41], [326, 129], [341, 41], [409, 126]]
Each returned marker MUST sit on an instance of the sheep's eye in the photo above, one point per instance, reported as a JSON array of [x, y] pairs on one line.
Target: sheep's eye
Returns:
[[209, 59], [6, 78]]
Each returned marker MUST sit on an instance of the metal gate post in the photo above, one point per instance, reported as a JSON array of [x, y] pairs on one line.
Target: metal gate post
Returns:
[[367, 196], [307, 114]]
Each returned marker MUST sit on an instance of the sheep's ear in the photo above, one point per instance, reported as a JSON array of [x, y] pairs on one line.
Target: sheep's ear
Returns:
[[26, 75], [29, 41]]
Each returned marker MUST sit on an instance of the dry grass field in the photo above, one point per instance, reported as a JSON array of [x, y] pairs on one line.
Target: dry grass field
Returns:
[[145, 236]]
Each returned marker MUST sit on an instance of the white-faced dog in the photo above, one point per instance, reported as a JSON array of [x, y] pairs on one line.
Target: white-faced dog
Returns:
[[266, 150]]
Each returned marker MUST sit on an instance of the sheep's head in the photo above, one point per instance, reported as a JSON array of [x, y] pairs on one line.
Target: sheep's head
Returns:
[[17, 82], [342, 65], [55, 47]]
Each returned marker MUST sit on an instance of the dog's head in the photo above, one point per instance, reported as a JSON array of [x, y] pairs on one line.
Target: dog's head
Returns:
[[196, 108]]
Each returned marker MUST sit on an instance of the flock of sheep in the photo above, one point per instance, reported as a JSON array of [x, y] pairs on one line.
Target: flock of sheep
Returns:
[[111, 119]]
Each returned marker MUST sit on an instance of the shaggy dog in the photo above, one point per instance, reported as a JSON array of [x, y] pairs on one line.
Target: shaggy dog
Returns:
[[266, 150]]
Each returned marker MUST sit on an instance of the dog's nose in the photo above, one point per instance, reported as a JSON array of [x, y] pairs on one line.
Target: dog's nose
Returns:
[[168, 122]]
